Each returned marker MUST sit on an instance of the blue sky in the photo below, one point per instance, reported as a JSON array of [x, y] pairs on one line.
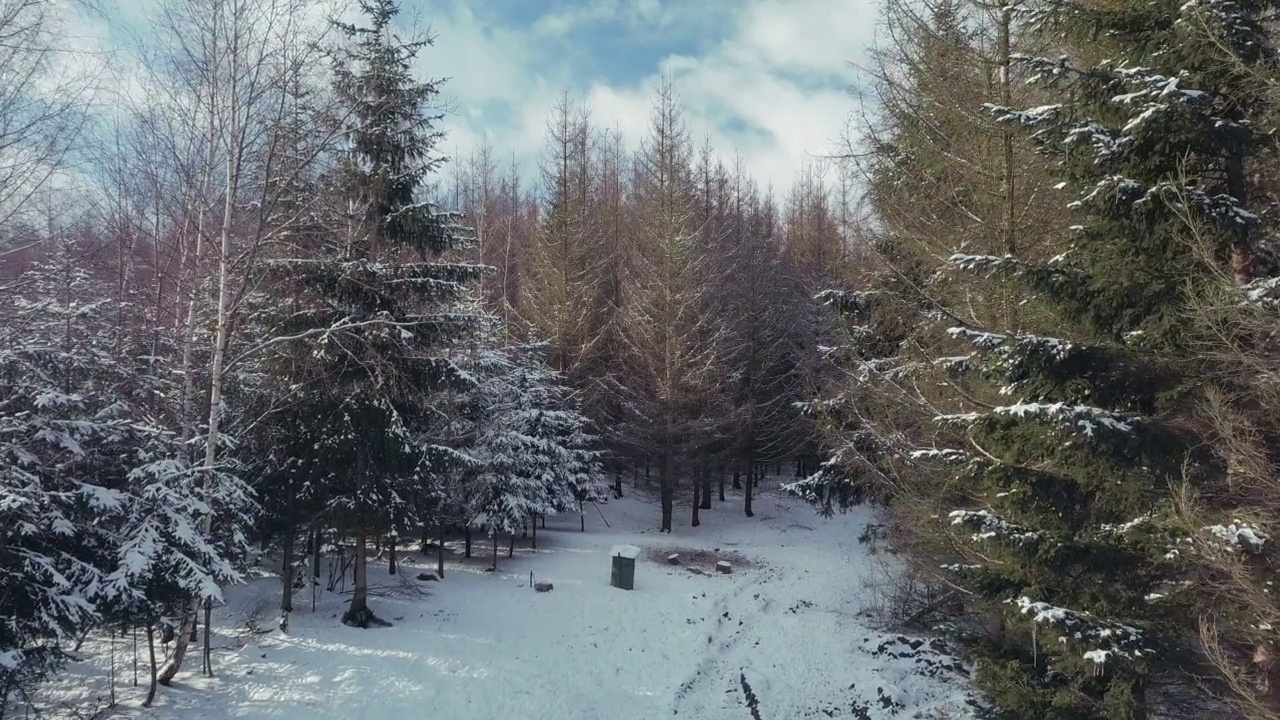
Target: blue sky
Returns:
[[767, 79]]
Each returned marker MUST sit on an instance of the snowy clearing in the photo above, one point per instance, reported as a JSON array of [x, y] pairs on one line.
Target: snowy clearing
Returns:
[[785, 635]]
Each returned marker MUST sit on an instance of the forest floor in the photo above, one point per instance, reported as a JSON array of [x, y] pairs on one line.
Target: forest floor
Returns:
[[787, 635]]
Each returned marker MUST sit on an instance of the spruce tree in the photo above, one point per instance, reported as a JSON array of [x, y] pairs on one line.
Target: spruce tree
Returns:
[[530, 448], [367, 340], [97, 521], [1047, 354], [1069, 481]]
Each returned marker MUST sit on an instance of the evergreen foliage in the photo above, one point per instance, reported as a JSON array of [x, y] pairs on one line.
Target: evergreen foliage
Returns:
[[532, 452], [369, 336], [97, 518], [1040, 449]]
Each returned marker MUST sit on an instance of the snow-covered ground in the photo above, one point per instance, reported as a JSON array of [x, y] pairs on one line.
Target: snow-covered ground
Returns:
[[785, 635]]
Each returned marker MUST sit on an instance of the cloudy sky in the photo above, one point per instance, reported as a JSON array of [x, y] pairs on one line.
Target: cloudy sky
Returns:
[[768, 79]]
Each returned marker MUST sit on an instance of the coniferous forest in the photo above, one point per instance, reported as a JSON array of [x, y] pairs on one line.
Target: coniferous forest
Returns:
[[1028, 311]]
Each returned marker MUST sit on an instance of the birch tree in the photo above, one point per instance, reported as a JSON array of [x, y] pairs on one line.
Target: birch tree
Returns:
[[235, 61]]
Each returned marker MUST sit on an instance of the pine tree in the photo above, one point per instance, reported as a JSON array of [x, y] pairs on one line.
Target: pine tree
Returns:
[[562, 253], [765, 306], [1155, 131]]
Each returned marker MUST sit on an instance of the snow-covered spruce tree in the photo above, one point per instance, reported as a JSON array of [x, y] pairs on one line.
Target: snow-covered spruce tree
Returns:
[[57, 471], [95, 517], [531, 450], [1073, 476], [366, 338], [1064, 424]]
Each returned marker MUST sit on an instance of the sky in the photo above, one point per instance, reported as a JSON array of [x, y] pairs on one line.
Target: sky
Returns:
[[766, 79]]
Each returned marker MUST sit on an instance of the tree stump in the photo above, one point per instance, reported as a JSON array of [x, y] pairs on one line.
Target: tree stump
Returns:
[[673, 559], [542, 586], [724, 567]]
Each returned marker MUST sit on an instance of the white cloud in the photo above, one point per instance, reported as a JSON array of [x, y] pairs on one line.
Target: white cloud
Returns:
[[496, 88], [773, 91], [773, 88]]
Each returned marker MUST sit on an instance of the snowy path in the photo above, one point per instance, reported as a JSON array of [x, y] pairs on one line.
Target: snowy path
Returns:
[[681, 644]]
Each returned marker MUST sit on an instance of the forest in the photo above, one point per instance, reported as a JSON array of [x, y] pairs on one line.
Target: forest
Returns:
[[1027, 310]]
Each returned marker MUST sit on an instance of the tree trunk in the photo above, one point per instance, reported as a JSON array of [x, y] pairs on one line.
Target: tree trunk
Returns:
[[358, 613], [391, 546], [466, 553], [617, 485], [721, 484], [697, 501], [746, 496], [544, 522], [534, 541], [737, 478], [668, 492], [286, 581], [315, 564], [207, 657], [582, 516], [440, 553], [1003, 42], [1243, 261], [511, 546], [151, 650], [706, 488], [495, 551], [180, 641]]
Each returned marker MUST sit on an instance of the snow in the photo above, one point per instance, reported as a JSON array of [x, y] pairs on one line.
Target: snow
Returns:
[[1239, 534], [791, 624], [626, 551]]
